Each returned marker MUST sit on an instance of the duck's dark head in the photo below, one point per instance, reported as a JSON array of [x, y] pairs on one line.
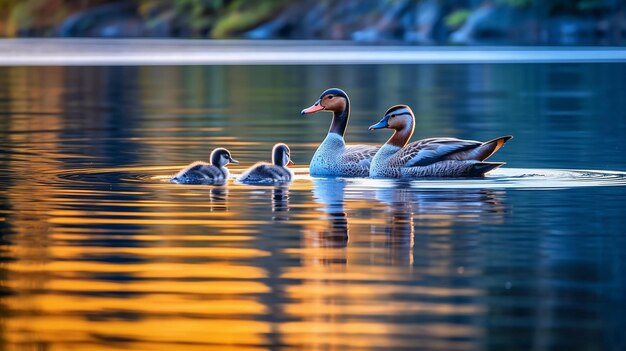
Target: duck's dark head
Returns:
[[332, 100], [281, 155], [220, 157], [397, 117]]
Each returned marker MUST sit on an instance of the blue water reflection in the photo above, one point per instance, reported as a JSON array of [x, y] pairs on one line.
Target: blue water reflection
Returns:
[[99, 251]]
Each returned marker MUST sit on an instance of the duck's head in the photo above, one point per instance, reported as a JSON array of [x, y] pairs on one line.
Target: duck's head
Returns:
[[397, 117], [220, 157], [332, 100], [281, 155]]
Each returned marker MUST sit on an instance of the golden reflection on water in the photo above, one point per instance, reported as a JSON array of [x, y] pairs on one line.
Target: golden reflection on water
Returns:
[[192, 271], [136, 263]]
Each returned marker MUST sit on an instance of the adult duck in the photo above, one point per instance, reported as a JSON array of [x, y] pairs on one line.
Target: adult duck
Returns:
[[214, 173], [333, 157], [276, 172], [432, 157]]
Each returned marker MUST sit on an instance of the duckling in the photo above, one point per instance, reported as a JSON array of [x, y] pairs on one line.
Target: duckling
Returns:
[[276, 172], [432, 157], [214, 173], [333, 157]]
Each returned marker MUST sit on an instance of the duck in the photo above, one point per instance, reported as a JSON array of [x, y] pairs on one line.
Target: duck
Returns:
[[333, 158], [270, 173], [214, 173], [431, 157]]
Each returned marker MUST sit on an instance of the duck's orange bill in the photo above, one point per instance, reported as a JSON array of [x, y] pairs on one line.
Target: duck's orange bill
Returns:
[[315, 108], [290, 163]]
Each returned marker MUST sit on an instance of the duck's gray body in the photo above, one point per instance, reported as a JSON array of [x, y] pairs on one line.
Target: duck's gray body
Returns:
[[435, 157], [202, 173], [266, 173], [334, 158]]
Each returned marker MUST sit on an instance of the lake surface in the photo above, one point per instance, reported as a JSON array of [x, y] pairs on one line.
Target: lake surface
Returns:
[[100, 252]]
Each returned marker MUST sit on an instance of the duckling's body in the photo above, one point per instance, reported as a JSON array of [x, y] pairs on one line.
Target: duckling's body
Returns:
[[214, 173], [270, 173], [201, 173], [333, 157], [264, 172], [432, 157]]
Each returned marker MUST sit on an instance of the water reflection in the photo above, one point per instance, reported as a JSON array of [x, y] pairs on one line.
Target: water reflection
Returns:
[[366, 234], [218, 198], [280, 203], [330, 193], [399, 224], [96, 254]]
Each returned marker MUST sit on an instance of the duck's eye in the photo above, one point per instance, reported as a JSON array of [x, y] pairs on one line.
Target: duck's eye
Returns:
[[330, 97], [392, 116]]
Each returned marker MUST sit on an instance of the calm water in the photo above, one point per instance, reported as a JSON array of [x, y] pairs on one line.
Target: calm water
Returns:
[[98, 252]]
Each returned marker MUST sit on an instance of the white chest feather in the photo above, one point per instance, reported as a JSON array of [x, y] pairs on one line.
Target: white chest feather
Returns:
[[382, 161], [327, 158]]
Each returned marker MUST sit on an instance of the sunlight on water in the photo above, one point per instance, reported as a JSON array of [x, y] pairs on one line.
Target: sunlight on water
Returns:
[[99, 251]]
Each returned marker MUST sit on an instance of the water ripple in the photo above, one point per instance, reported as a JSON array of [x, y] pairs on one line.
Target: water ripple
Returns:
[[505, 178]]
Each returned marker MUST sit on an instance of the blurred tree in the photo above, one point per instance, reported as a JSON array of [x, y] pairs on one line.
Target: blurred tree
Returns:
[[37, 17], [302, 18], [208, 18]]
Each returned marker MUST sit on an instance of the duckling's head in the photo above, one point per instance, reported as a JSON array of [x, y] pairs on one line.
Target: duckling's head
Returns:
[[220, 157], [397, 117], [281, 155], [332, 100]]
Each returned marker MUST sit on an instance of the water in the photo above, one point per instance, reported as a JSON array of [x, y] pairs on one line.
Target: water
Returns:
[[100, 252]]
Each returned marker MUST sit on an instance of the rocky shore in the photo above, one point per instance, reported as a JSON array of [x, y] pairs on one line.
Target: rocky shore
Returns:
[[522, 22]]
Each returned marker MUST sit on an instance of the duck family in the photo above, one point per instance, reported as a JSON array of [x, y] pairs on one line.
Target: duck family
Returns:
[[397, 158]]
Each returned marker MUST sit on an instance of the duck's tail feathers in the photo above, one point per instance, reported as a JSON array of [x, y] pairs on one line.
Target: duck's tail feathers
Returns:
[[490, 147], [482, 151], [480, 168]]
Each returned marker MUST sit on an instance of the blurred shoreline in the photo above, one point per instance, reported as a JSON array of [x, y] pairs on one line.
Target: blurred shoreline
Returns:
[[45, 52], [413, 22]]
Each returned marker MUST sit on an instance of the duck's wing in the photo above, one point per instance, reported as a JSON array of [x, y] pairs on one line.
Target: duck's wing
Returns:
[[428, 151], [360, 155]]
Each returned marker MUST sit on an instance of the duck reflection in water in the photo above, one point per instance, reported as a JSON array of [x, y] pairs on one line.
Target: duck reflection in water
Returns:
[[329, 192], [411, 211], [218, 199], [399, 226], [280, 203], [408, 211]]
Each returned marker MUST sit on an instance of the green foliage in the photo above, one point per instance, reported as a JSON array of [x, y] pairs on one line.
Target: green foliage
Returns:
[[242, 16], [196, 15], [457, 18], [217, 18]]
